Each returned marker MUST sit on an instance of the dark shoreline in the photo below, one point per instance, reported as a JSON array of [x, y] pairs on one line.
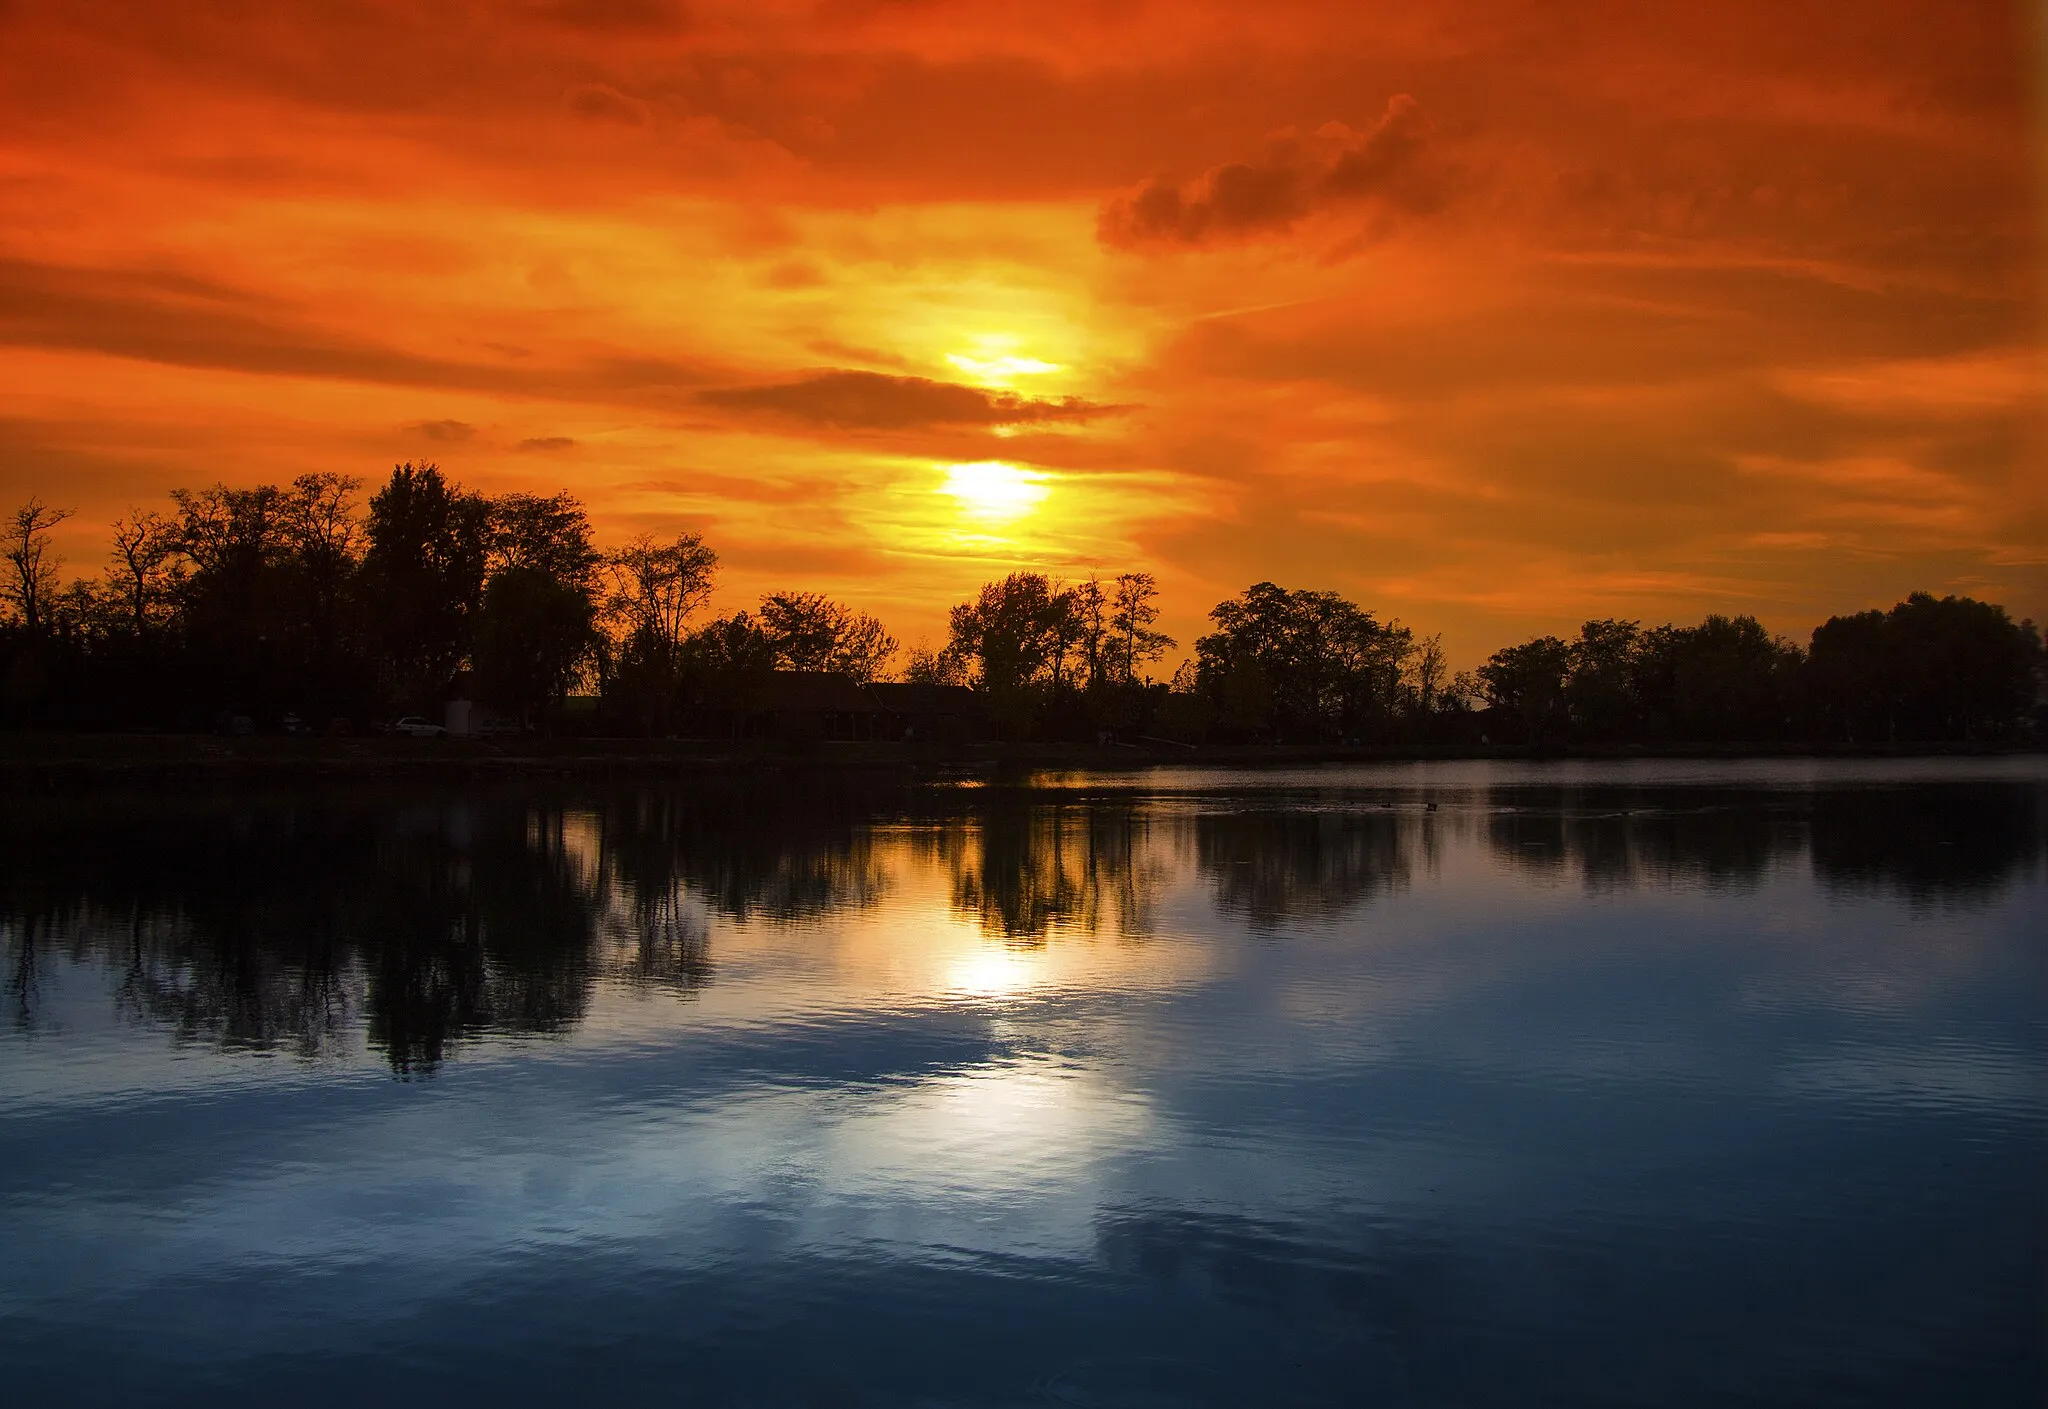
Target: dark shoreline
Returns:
[[30, 762]]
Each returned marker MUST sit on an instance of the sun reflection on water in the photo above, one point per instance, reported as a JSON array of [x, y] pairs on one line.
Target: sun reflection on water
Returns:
[[995, 973]]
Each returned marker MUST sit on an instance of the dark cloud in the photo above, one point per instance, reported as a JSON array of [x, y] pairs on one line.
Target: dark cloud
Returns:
[[443, 430], [546, 442], [162, 317], [872, 401], [1389, 164], [596, 102], [167, 317], [613, 15]]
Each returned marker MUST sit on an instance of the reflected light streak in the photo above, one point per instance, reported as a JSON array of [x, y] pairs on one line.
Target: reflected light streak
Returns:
[[995, 973]]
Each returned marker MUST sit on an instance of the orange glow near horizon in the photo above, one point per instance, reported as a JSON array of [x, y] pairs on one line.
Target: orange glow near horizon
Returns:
[[1491, 319]]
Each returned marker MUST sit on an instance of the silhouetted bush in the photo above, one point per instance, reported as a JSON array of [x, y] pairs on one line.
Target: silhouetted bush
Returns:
[[241, 607]]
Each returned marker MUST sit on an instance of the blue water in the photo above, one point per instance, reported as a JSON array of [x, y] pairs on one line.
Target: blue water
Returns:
[[1455, 1085]]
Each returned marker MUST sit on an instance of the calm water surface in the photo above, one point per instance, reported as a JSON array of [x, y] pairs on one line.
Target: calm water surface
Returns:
[[1431, 1085]]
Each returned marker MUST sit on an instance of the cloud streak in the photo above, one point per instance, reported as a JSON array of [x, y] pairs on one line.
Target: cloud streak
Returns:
[[853, 400], [449, 431], [1607, 292], [1390, 165], [176, 319]]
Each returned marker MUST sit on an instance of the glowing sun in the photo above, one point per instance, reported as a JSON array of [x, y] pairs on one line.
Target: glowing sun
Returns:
[[990, 489]]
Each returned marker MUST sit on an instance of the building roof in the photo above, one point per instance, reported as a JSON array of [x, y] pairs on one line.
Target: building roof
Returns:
[[905, 698], [816, 692]]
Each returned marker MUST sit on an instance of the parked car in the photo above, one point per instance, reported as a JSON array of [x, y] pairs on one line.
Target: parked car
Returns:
[[294, 725], [415, 727]]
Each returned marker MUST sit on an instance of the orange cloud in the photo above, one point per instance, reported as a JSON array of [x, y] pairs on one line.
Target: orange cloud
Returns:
[[871, 400], [1616, 308], [1388, 164]]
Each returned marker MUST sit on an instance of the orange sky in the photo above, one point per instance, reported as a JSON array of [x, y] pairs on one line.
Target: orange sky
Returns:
[[1494, 316]]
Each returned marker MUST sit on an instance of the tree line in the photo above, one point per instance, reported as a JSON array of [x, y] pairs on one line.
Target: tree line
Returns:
[[298, 598], [304, 599], [1928, 670]]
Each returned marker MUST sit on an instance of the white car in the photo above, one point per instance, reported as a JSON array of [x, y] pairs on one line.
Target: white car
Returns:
[[417, 727]]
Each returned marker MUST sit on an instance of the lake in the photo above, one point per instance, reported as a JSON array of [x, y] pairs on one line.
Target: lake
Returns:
[[1455, 1084]]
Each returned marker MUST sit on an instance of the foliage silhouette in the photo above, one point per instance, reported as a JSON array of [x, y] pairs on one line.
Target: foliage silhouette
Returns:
[[28, 564], [423, 580], [1930, 668], [1301, 667], [244, 606]]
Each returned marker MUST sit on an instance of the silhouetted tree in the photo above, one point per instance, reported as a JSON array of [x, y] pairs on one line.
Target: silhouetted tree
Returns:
[[1134, 609], [1526, 684], [532, 636], [1006, 631], [1185, 714], [1930, 668], [1849, 687], [1429, 675], [233, 607], [544, 534], [924, 666], [1091, 610], [1600, 689], [1730, 680], [423, 580], [323, 542], [321, 539], [655, 588], [31, 564], [1725, 679], [812, 632], [145, 567], [538, 626], [729, 662], [263, 597], [1301, 666], [1014, 636]]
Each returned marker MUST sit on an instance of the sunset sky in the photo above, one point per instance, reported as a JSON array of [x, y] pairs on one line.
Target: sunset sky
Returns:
[[1493, 316]]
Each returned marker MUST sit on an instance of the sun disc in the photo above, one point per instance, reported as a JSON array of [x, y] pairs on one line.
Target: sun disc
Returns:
[[1002, 370], [991, 489]]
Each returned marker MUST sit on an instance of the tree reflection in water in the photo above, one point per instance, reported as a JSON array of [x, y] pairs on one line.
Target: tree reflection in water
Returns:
[[1619, 840], [1312, 864], [420, 918], [1930, 843], [1025, 870], [281, 922]]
